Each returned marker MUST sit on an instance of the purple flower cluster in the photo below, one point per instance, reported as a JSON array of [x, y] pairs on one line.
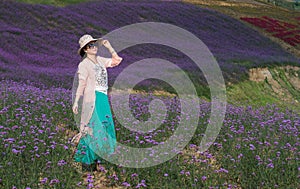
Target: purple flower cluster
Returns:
[[39, 42], [260, 142], [30, 137]]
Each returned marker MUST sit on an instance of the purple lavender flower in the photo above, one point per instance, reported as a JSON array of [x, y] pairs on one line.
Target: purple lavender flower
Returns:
[[44, 180], [141, 184], [240, 156], [126, 184], [270, 165], [16, 151], [252, 147], [53, 181], [61, 162], [90, 186]]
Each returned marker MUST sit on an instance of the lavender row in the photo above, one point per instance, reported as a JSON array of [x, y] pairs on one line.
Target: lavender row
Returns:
[[38, 36]]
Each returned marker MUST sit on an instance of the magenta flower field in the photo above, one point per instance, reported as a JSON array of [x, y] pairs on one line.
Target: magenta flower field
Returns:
[[256, 147]]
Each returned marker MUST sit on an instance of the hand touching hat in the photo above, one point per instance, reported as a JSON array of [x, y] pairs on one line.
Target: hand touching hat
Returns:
[[107, 44]]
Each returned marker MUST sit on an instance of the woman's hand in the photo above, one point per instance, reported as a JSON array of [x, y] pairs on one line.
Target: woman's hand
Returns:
[[86, 130], [75, 108], [116, 60], [76, 138], [107, 44]]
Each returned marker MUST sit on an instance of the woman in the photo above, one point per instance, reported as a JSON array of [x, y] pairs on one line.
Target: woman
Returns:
[[97, 130]]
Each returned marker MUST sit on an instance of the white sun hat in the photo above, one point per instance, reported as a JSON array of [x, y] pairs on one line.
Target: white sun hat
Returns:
[[84, 40]]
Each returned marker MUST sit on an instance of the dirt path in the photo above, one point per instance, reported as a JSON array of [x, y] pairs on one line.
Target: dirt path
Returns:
[[250, 2]]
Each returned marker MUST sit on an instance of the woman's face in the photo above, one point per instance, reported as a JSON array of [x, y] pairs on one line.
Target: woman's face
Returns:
[[91, 48]]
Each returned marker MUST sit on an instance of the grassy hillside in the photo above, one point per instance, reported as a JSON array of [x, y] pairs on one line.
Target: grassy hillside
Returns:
[[262, 92]]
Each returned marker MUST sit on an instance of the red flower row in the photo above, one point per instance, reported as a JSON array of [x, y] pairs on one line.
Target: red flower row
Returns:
[[290, 33]]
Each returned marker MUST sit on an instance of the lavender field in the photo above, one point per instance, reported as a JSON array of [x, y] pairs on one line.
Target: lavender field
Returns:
[[256, 147], [39, 42]]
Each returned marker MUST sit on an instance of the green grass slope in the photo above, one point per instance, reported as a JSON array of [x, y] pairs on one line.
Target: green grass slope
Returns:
[[263, 92]]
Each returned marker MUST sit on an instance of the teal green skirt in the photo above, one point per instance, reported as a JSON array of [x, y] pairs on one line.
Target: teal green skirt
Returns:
[[103, 141]]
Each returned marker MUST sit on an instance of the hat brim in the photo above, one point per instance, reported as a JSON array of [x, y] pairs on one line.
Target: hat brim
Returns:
[[98, 40]]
